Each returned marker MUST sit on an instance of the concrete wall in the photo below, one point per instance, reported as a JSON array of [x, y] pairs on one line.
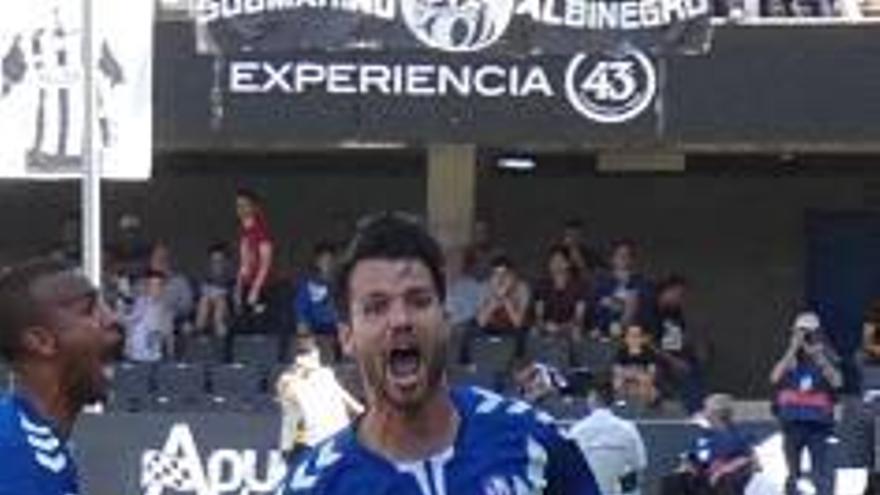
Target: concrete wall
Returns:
[[738, 235]]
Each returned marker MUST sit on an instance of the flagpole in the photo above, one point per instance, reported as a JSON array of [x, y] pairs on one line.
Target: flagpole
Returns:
[[91, 178]]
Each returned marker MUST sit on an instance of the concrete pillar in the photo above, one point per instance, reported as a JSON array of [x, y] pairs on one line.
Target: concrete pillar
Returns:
[[452, 181]]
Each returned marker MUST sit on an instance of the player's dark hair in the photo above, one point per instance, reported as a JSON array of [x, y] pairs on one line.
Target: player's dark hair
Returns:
[[389, 236], [603, 389], [19, 309]]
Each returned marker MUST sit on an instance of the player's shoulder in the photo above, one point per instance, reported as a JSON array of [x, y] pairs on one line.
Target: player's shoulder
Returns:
[[327, 464], [486, 410], [10, 429]]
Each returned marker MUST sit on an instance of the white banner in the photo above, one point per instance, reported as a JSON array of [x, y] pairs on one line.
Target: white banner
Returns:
[[42, 95]]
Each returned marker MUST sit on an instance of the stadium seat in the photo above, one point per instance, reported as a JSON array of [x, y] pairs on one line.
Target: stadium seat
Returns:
[[201, 349], [871, 379], [262, 350], [236, 380], [553, 351], [131, 387], [597, 355], [493, 354], [180, 386]]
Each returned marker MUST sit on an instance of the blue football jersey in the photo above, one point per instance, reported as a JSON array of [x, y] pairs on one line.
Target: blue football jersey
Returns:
[[35, 459], [503, 447]]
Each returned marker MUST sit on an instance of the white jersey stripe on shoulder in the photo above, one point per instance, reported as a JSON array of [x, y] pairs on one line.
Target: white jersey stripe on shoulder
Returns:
[[33, 428], [45, 444], [55, 463]]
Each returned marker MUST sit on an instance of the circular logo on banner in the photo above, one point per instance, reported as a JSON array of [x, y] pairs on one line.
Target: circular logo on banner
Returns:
[[457, 25], [611, 87]]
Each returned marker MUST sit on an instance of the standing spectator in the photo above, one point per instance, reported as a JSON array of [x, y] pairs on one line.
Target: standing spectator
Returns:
[[465, 291], [482, 250], [212, 315], [560, 298], [314, 405], [504, 304], [621, 293], [613, 447], [313, 304], [806, 378], [635, 368], [149, 322], [178, 292], [681, 355], [585, 260], [255, 257]]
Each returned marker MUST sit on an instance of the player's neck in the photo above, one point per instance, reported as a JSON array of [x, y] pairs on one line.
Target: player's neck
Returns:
[[48, 398], [409, 436]]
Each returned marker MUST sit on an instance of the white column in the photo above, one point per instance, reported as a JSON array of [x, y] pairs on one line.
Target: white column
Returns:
[[452, 181]]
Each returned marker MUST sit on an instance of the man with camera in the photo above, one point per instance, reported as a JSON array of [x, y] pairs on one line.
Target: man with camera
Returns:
[[805, 379]]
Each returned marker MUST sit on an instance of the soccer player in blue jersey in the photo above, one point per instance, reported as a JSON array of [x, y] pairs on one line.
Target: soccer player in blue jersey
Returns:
[[419, 436], [59, 340]]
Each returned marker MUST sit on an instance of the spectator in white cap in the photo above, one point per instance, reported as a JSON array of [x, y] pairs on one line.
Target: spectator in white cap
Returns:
[[806, 379]]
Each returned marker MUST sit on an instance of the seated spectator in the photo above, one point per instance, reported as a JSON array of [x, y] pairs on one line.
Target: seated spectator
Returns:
[[681, 356], [536, 381], [612, 446], [504, 305], [313, 304], [620, 294], [149, 321], [635, 368], [560, 298], [721, 460], [586, 261], [212, 315], [178, 292], [464, 291], [871, 335], [314, 405]]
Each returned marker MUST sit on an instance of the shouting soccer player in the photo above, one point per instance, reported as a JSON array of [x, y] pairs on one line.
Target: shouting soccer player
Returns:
[[59, 339], [419, 436]]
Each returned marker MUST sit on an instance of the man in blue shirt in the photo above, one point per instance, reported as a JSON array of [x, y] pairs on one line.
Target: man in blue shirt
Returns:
[[59, 339], [418, 436], [313, 304], [806, 378]]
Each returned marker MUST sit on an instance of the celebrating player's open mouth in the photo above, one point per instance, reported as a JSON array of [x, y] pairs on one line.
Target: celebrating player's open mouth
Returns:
[[404, 367]]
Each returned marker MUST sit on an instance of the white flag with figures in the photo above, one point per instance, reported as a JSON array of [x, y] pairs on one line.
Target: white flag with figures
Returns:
[[42, 100]]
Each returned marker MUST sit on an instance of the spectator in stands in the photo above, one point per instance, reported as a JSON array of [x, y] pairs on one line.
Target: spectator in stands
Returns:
[[482, 250], [313, 304], [870, 355], [721, 461], [681, 355], [149, 320], [314, 405], [131, 252], [635, 368], [806, 378], [465, 291], [585, 260], [255, 255], [212, 315], [177, 291], [613, 447], [561, 298], [536, 382], [505, 303], [621, 293]]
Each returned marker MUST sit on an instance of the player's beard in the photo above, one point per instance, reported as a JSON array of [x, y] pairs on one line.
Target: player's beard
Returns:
[[434, 363]]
